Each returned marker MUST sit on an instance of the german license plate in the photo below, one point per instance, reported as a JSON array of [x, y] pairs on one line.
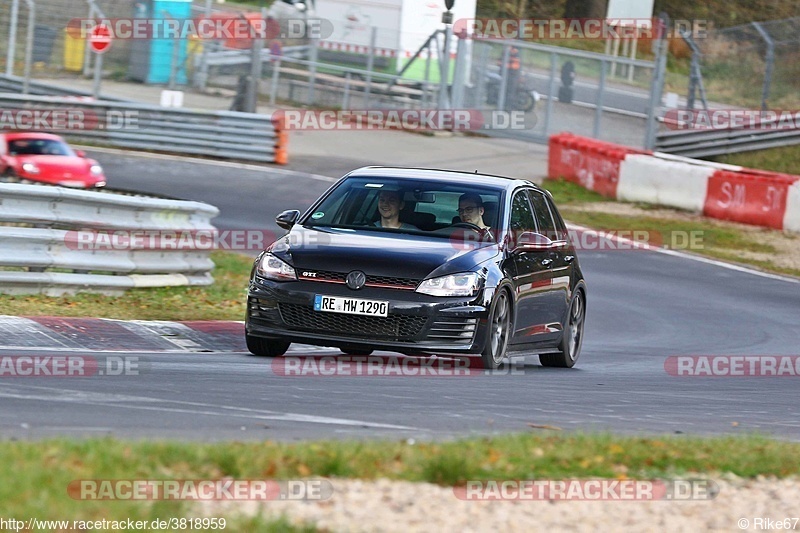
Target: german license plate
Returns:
[[350, 306]]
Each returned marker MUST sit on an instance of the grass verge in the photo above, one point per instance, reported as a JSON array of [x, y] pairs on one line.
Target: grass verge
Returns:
[[224, 300], [785, 159], [49, 466], [717, 239]]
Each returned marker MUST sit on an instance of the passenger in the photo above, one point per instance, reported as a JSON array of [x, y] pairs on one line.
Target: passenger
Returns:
[[389, 205], [470, 209]]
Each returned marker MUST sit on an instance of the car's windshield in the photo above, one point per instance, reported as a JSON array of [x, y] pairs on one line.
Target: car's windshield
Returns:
[[39, 147], [413, 206]]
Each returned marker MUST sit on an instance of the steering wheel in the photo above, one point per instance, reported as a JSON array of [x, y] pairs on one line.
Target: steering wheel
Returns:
[[468, 225]]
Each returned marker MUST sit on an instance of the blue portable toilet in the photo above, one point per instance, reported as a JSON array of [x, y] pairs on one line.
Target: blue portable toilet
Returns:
[[151, 59]]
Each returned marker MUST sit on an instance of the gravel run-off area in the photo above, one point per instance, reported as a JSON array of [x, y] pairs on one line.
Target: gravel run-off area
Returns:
[[384, 505]]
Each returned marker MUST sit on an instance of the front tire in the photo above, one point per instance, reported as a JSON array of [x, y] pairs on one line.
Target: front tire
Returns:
[[261, 347], [572, 339], [499, 328]]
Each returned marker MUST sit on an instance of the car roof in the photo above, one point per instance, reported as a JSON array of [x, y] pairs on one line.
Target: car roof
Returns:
[[30, 135], [449, 176]]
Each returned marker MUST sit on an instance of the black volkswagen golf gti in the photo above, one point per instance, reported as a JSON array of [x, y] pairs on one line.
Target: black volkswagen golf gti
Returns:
[[422, 262]]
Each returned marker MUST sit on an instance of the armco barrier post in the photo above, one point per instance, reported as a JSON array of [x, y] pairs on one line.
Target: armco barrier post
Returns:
[[281, 140]]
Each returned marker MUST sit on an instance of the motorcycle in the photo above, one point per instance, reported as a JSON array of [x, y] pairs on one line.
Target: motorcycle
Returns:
[[523, 97]]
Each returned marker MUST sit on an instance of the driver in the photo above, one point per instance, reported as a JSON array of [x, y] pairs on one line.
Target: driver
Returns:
[[470, 209]]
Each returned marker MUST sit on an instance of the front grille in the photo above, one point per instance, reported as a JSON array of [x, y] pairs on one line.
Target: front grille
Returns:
[[404, 283], [457, 330], [372, 281], [397, 327]]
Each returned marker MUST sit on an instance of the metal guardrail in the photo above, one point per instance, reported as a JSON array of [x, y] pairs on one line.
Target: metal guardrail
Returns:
[[244, 57], [224, 134], [40, 240], [710, 142], [704, 142], [14, 84]]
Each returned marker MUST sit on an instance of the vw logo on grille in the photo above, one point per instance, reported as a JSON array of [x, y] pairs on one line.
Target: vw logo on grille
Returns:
[[356, 279]]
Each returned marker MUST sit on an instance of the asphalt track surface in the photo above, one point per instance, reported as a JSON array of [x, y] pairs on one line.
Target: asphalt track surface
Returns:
[[643, 307]]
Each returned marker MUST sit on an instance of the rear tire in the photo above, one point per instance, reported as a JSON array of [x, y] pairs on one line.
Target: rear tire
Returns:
[[499, 330], [524, 101], [262, 347], [572, 339]]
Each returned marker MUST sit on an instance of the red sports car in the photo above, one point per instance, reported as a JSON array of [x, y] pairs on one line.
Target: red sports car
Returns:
[[47, 158]]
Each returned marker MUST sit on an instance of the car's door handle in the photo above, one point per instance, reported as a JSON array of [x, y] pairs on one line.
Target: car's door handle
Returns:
[[569, 258], [546, 262]]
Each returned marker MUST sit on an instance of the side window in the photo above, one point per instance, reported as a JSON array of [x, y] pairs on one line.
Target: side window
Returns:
[[544, 220], [561, 228], [521, 216]]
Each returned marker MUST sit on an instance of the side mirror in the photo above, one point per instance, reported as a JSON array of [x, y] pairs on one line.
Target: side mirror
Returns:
[[80, 153], [287, 219], [530, 241]]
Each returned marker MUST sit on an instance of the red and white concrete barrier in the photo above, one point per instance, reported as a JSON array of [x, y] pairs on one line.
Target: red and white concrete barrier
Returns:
[[590, 163], [791, 220], [749, 196], [726, 192], [678, 182]]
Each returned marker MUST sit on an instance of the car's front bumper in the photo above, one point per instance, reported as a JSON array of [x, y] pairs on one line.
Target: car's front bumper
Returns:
[[417, 323]]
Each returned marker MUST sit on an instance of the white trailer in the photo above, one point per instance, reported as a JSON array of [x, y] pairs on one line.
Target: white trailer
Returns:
[[401, 26]]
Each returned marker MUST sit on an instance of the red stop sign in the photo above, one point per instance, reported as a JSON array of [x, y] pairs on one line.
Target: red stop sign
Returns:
[[100, 39]]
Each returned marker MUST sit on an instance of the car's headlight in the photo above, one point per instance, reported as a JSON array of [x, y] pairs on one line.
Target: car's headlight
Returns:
[[30, 168], [467, 284], [271, 267], [96, 170]]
